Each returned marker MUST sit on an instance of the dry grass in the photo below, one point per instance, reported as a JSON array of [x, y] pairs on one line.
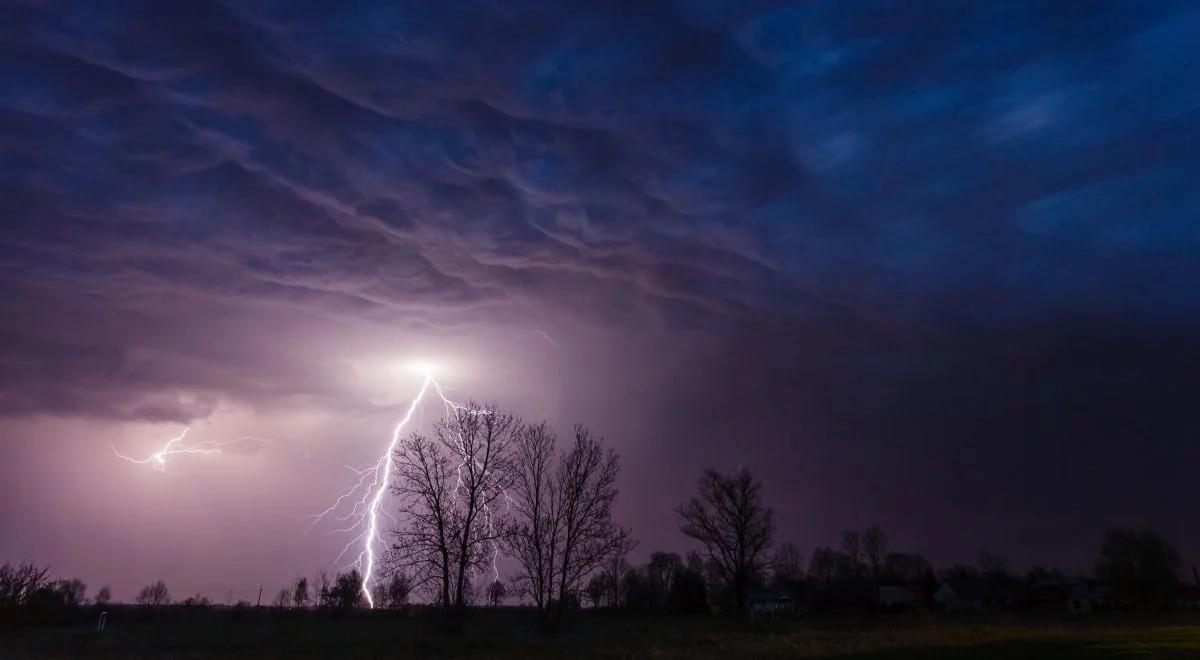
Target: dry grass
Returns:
[[510, 634]]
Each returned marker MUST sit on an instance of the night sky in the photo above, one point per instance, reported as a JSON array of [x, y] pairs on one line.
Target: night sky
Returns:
[[932, 265]]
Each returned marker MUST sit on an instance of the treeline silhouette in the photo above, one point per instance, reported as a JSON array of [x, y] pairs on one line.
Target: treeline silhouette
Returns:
[[570, 555]]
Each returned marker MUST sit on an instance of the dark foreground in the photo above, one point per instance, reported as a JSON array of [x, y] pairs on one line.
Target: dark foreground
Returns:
[[509, 633]]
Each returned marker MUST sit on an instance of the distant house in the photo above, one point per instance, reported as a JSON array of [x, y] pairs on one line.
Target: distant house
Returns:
[[1087, 597], [966, 596], [769, 602], [894, 597]]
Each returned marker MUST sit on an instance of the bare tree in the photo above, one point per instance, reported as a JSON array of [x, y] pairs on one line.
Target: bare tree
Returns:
[[283, 599], [322, 583], [992, 564], [823, 564], [104, 596], [532, 536], [596, 590], [734, 526], [661, 572], [19, 582], [346, 591], [484, 438], [425, 472], [198, 600], [73, 591], [562, 529], [587, 487], [496, 593], [449, 487], [394, 593], [852, 548], [300, 593], [613, 571], [154, 595], [788, 563], [874, 542]]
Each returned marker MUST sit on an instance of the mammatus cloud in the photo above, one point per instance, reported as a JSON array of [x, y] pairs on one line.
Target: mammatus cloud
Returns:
[[908, 171]]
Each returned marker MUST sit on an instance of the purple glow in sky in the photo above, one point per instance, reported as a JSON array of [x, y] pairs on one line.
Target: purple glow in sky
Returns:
[[931, 265]]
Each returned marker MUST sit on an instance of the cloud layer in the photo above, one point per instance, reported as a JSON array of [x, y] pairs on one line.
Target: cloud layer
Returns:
[[886, 239]]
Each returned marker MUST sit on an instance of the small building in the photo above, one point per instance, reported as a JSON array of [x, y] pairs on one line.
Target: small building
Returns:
[[771, 602]]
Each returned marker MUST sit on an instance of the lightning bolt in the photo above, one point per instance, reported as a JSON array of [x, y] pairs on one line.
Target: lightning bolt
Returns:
[[451, 409], [373, 483], [372, 534], [175, 446], [368, 491]]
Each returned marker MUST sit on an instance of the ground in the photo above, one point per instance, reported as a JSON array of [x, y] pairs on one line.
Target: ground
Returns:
[[510, 634]]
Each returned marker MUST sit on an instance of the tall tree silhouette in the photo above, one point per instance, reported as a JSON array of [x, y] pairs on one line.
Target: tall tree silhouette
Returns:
[[18, 582], [426, 546], [450, 487], [823, 564], [787, 564], [300, 593], [874, 542], [1141, 566], [393, 594], [562, 529], [532, 538], [587, 487], [496, 593], [346, 591], [733, 525]]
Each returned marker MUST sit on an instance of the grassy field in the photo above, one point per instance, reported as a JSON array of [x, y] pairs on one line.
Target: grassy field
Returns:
[[510, 634]]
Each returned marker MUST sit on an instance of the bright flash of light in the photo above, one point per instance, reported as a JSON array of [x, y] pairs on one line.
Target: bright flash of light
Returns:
[[372, 534], [424, 368], [176, 446], [373, 483], [366, 495], [451, 408]]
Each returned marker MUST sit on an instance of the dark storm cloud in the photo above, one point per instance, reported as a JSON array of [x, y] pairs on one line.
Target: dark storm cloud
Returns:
[[925, 221]]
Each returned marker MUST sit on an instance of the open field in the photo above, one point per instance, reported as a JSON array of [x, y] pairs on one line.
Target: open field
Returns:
[[511, 634]]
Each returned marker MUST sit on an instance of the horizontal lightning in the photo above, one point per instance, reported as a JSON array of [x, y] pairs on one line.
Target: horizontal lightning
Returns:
[[176, 446]]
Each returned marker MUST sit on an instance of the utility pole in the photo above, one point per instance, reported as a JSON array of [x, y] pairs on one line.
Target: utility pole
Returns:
[[259, 596]]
